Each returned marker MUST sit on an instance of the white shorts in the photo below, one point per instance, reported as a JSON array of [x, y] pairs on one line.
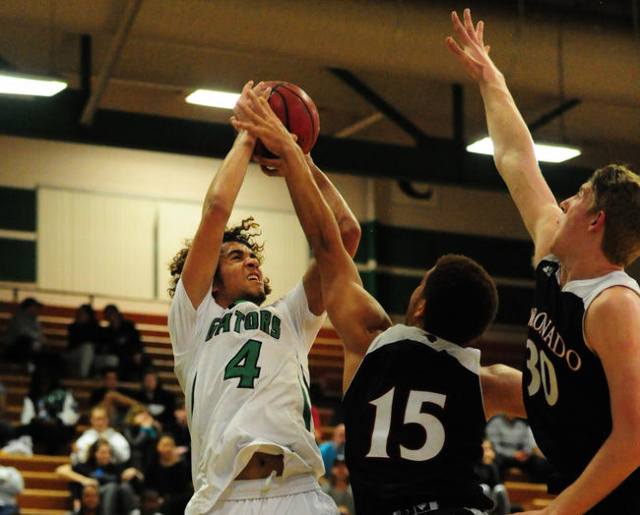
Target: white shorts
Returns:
[[297, 495]]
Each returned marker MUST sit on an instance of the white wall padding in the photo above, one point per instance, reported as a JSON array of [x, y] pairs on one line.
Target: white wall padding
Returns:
[[97, 243]]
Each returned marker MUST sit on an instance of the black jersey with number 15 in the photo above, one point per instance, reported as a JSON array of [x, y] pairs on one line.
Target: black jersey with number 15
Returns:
[[414, 424]]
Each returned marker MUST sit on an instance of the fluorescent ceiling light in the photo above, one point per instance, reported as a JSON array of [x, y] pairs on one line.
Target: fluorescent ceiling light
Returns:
[[546, 153], [208, 97], [14, 84]]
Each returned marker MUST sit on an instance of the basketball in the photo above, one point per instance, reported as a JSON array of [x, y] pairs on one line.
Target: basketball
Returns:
[[296, 111]]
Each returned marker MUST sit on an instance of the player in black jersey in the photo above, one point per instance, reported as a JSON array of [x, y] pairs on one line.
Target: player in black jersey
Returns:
[[582, 379], [413, 392]]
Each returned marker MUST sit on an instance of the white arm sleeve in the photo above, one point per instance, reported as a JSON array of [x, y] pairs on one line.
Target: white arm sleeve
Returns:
[[304, 322], [28, 411], [120, 447], [69, 414], [183, 320], [13, 484]]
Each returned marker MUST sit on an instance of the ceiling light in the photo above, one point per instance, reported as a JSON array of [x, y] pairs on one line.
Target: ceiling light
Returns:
[[546, 153], [14, 84], [208, 97]]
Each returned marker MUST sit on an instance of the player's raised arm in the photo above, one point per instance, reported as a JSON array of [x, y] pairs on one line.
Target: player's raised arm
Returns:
[[202, 259], [357, 316], [513, 146]]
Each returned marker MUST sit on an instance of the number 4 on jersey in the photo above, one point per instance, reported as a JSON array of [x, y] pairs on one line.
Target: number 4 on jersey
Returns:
[[244, 364]]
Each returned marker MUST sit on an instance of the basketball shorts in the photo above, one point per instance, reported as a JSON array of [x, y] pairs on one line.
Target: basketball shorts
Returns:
[[300, 495]]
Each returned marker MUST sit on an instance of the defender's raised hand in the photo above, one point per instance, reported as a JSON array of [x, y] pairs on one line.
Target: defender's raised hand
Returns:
[[470, 49]]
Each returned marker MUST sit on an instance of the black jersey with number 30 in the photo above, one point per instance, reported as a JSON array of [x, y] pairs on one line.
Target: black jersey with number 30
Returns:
[[414, 424], [564, 384]]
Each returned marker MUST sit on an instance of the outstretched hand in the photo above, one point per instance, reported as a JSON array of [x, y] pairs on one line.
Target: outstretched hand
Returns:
[[258, 89], [258, 119], [470, 49]]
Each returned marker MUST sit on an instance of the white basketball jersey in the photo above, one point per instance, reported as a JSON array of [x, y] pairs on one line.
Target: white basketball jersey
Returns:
[[244, 372]]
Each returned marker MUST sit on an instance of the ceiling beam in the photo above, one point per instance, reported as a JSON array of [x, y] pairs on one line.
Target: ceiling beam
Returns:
[[133, 6], [380, 104]]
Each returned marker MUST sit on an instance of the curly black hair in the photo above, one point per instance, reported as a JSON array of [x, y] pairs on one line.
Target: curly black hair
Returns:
[[243, 233]]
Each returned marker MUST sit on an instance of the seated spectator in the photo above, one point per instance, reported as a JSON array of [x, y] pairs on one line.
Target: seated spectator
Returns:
[[11, 485], [181, 431], [113, 481], [49, 412], [89, 502], [160, 402], [141, 431], [119, 451], [149, 503], [114, 398], [489, 474], [7, 431], [24, 336], [339, 488], [122, 339], [84, 335], [332, 448], [514, 445], [170, 476]]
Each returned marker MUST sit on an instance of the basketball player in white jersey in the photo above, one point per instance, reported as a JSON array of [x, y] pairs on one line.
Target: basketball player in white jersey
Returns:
[[416, 399], [581, 383], [243, 368]]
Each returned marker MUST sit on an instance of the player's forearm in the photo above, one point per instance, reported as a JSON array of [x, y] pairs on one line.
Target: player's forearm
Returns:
[[611, 465], [223, 190], [347, 221], [512, 142], [313, 212]]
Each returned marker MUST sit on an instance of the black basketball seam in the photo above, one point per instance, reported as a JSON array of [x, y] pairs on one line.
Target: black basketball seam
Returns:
[[274, 89], [313, 127]]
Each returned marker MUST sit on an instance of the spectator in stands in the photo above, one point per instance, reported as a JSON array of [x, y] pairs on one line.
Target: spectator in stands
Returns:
[[181, 432], [141, 431], [49, 412], [122, 339], [338, 487], [114, 398], [116, 492], [100, 429], [7, 431], [491, 482], [170, 475], [24, 336], [514, 445], [11, 484], [149, 503], [84, 336], [89, 503], [332, 448], [160, 402]]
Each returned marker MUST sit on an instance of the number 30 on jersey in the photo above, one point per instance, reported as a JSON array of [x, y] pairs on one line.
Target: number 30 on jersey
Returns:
[[543, 374]]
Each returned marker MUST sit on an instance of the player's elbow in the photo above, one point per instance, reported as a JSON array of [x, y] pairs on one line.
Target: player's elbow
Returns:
[[216, 208], [350, 232]]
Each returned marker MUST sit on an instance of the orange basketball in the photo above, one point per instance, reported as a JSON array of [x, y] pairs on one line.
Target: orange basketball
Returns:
[[296, 111]]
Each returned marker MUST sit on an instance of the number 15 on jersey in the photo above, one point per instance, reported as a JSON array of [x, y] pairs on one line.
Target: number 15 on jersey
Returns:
[[434, 430]]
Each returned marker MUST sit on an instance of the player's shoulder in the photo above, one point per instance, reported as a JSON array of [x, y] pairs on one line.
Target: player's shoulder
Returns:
[[616, 301]]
